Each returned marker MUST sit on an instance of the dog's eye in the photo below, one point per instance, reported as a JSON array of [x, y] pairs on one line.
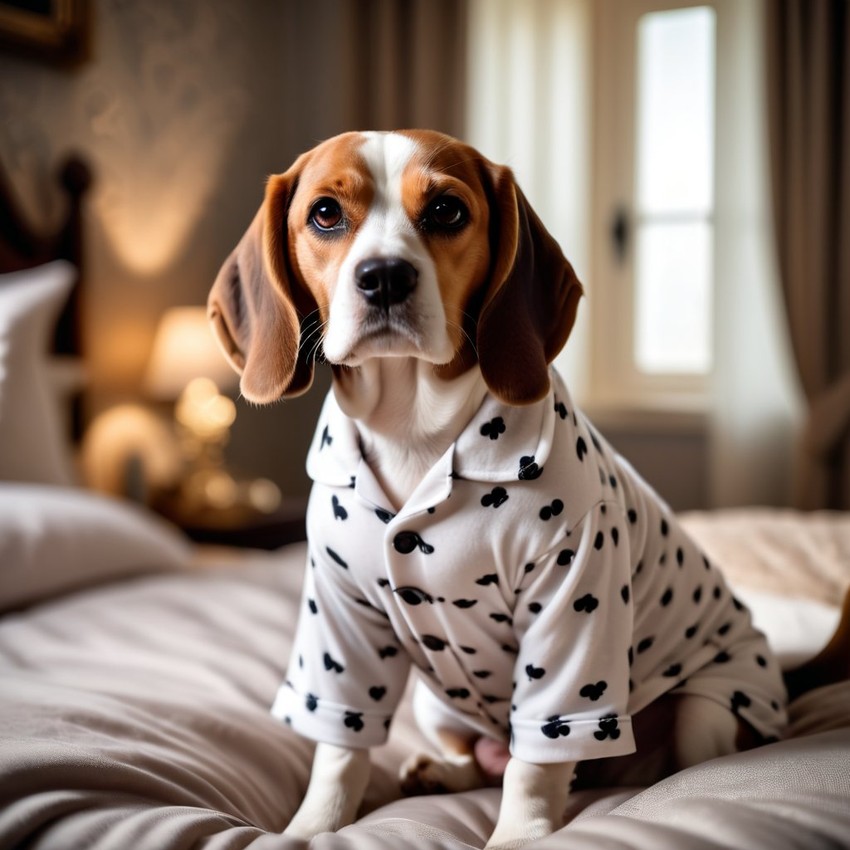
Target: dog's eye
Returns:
[[445, 213], [326, 214]]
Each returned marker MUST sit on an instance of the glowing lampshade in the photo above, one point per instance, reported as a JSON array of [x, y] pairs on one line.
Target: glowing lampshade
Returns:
[[184, 349]]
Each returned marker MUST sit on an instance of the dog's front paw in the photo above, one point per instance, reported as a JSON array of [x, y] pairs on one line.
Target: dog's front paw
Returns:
[[521, 833], [425, 774]]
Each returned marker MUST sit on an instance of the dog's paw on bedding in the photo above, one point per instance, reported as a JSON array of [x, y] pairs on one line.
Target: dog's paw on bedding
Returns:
[[426, 774]]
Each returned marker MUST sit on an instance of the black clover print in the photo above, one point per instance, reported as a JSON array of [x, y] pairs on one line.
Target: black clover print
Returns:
[[493, 428], [593, 692], [554, 509], [528, 469], [587, 603], [555, 728], [496, 497], [327, 439], [354, 720], [607, 728]]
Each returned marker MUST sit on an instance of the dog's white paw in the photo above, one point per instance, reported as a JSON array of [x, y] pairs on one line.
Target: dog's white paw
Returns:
[[426, 774], [520, 834]]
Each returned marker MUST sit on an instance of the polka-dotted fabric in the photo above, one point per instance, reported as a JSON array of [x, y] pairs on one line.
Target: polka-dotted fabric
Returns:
[[544, 592]]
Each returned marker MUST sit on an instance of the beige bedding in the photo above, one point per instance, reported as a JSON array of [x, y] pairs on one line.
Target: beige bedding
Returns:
[[134, 714]]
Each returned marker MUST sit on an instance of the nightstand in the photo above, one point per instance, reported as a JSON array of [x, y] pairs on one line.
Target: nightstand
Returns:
[[241, 525]]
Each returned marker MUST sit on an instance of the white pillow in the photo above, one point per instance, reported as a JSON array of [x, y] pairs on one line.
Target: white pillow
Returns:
[[796, 629], [56, 539], [32, 445]]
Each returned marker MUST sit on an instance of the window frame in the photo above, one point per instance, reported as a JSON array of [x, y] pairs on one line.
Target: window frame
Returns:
[[616, 381]]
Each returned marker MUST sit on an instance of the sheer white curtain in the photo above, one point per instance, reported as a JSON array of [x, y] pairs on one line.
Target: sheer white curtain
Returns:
[[756, 401], [529, 105]]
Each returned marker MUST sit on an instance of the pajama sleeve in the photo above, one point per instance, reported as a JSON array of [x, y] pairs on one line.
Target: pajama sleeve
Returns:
[[574, 619], [347, 672]]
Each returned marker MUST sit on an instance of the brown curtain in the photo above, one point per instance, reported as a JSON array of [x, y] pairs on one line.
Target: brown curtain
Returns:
[[409, 64], [372, 65], [808, 81]]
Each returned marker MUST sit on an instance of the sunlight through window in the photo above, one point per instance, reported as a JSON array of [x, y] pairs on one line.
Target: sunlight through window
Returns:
[[674, 190]]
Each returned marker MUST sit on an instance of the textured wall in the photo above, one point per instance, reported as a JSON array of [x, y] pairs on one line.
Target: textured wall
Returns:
[[172, 112], [179, 111]]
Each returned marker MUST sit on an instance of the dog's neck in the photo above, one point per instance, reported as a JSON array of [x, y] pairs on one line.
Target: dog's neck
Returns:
[[406, 416]]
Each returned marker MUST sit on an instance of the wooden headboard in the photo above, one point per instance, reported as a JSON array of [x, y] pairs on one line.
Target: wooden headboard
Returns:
[[23, 246]]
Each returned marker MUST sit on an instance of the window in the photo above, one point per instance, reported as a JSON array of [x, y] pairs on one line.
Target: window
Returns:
[[674, 189], [653, 272]]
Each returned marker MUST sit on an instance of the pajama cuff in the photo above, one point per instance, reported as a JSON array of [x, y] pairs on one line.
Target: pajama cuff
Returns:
[[562, 739], [329, 722]]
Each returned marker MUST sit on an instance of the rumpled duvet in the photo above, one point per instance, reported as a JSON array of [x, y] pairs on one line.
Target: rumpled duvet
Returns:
[[134, 713]]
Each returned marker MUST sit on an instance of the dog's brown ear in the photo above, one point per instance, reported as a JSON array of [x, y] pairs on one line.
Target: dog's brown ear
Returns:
[[256, 307], [530, 304]]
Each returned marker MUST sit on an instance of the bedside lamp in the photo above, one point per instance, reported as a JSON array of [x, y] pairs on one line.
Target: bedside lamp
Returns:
[[184, 349], [187, 368]]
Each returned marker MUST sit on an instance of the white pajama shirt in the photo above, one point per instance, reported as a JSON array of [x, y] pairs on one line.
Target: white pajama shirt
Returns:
[[544, 592]]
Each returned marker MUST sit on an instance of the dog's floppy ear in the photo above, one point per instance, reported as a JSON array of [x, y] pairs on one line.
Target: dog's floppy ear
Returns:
[[530, 304], [256, 307]]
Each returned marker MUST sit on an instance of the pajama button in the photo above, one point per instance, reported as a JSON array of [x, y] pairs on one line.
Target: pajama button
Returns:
[[405, 542]]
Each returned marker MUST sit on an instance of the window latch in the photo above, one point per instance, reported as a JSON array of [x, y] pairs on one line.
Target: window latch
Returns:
[[620, 232]]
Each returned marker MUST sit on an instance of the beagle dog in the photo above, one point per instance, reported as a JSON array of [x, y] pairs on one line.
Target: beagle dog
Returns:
[[466, 519]]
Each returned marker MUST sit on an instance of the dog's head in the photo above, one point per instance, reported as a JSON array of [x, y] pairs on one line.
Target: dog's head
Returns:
[[394, 244]]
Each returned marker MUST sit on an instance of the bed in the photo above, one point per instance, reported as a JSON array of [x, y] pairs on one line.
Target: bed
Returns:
[[137, 670]]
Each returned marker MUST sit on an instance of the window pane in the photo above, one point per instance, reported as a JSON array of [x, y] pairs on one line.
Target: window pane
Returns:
[[673, 310], [675, 111]]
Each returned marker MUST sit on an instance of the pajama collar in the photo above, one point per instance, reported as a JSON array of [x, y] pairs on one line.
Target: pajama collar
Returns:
[[520, 440]]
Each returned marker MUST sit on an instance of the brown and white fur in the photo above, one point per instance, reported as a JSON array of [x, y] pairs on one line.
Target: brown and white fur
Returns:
[[418, 270]]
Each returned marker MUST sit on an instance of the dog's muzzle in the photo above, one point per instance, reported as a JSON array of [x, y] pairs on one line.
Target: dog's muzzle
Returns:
[[385, 281]]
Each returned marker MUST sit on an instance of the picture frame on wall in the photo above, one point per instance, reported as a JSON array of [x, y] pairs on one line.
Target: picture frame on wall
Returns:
[[54, 31]]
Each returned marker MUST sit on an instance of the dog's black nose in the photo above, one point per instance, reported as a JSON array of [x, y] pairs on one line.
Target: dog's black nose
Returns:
[[385, 281]]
